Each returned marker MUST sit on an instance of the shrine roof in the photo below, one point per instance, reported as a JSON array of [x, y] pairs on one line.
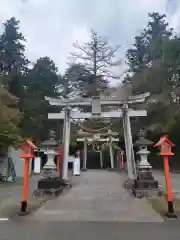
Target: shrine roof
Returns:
[[30, 143], [162, 140]]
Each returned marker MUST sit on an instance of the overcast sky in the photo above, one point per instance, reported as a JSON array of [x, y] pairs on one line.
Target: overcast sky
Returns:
[[51, 26]]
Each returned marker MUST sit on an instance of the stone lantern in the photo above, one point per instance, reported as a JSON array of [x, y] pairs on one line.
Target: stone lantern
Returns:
[[145, 183], [143, 152], [49, 148], [50, 181]]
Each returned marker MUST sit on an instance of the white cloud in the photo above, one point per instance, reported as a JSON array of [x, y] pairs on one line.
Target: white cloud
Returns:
[[51, 27]]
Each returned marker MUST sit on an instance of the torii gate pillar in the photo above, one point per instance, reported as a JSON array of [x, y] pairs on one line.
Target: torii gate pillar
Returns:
[[85, 154], [66, 141], [131, 165]]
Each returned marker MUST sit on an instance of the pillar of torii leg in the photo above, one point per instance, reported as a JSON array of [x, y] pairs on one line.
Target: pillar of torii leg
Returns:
[[84, 138], [90, 137], [123, 112]]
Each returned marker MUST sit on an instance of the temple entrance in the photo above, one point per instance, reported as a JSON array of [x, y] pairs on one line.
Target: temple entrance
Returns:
[[93, 160], [106, 161]]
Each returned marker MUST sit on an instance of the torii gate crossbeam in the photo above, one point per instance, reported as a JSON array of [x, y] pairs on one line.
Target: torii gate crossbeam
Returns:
[[111, 114]]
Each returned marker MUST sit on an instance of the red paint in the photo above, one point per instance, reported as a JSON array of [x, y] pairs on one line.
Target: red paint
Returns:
[[27, 149], [122, 159], [165, 145], [59, 158], [167, 179], [27, 152], [25, 182]]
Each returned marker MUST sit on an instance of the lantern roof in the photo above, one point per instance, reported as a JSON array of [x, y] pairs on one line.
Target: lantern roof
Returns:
[[143, 141], [51, 142]]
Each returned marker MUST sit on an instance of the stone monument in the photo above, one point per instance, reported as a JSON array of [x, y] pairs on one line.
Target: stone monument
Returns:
[[144, 184]]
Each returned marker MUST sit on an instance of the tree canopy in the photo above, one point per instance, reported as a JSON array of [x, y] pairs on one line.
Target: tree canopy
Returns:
[[153, 63]]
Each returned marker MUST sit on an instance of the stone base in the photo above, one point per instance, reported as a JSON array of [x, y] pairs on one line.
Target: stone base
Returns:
[[148, 193], [145, 184], [66, 183], [50, 183], [48, 173], [129, 183], [112, 169], [23, 213], [84, 169], [171, 215]]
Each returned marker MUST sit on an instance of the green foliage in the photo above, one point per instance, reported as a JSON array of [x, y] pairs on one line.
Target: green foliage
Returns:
[[9, 134], [41, 81], [153, 62]]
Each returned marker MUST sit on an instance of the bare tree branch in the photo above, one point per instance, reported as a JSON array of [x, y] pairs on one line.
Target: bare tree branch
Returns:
[[98, 55]]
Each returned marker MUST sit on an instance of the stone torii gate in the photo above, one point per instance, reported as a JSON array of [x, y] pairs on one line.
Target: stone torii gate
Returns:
[[123, 111], [84, 137], [90, 137]]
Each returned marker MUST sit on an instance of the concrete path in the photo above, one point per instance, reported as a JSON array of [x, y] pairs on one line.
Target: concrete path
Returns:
[[23, 230], [97, 196]]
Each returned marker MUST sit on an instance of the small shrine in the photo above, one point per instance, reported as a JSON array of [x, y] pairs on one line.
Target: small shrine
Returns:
[[27, 149], [165, 145], [145, 183]]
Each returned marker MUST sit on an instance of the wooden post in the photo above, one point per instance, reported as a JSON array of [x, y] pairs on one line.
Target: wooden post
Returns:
[[58, 164], [25, 186], [122, 159], [165, 150], [101, 158], [27, 152], [59, 159], [168, 186], [111, 152], [85, 153]]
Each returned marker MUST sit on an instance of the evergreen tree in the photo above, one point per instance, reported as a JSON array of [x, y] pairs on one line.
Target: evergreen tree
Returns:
[[41, 81], [13, 64]]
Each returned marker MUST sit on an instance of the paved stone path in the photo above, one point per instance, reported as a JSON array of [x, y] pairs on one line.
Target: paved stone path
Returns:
[[97, 196]]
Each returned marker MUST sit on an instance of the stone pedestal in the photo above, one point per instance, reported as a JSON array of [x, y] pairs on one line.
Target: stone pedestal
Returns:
[[129, 183], [49, 169], [49, 183], [49, 179], [145, 184], [84, 169]]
